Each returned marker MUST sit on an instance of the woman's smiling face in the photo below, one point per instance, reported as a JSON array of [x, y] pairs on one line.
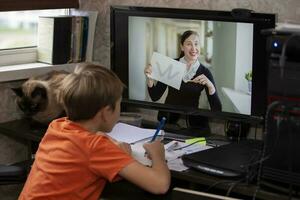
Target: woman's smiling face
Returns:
[[191, 48]]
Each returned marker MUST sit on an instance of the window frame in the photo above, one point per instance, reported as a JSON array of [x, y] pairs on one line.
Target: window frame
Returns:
[[20, 64], [29, 54]]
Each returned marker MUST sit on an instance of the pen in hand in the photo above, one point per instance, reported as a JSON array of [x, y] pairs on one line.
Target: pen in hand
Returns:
[[159, 127]]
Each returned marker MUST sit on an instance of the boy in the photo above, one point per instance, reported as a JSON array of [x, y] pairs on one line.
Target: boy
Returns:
[[75, 157]]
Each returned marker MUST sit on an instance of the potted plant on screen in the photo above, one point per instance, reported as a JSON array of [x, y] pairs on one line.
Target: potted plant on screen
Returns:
[[248, 77]]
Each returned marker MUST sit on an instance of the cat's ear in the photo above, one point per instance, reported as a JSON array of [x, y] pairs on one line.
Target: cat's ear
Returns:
[[39, 91], [18, 91]]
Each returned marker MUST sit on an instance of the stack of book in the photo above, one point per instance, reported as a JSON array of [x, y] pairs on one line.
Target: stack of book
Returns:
[[62, 39]]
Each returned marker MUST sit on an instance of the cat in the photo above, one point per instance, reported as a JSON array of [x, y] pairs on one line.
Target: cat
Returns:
[[38, 97]]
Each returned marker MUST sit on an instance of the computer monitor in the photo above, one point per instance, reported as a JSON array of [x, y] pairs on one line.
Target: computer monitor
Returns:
[[231, 48]]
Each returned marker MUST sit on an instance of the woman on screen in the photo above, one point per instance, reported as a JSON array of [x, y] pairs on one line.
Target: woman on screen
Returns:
[[197, 78]]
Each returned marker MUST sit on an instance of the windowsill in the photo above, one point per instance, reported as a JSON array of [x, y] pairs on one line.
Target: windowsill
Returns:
[[25, 71]]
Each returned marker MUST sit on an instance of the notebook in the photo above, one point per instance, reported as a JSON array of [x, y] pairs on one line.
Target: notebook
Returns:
[[231, 160]]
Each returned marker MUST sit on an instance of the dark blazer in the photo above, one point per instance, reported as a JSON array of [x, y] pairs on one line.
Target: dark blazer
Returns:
[[189, 93]]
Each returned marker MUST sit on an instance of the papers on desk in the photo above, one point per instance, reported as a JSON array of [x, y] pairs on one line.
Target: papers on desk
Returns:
[[173, 156], [137, 136], [131, 134]]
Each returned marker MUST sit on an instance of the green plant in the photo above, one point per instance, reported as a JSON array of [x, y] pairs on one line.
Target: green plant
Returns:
[[248, 76]]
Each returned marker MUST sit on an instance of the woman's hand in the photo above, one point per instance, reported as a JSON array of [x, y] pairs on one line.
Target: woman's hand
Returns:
[[148, 72], [203, 80]]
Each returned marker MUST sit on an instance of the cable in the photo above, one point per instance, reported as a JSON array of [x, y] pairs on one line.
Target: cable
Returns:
[[268, 114], [233, 185], [290, 160], [283, 54], [217, 183], [187, 122], [255, 132]]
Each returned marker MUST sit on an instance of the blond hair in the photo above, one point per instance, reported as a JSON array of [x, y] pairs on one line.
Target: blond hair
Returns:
[[88, 89]]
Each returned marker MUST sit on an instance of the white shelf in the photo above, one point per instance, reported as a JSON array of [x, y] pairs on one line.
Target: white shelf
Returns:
[[240, 100]]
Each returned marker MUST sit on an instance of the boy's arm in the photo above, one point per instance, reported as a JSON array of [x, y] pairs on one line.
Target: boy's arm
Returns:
[[155, 179]]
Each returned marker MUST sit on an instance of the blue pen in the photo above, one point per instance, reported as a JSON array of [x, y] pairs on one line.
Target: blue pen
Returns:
[[159, 127]]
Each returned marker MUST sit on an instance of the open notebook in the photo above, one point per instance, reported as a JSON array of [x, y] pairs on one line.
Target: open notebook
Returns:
[[131, 134]]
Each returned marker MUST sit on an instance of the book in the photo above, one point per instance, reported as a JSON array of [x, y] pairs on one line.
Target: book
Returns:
[[92, 19], [54, 39], [79, 38]]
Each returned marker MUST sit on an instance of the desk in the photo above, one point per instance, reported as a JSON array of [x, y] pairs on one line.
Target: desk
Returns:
[[188, 179], [196, 179], [191, 179]]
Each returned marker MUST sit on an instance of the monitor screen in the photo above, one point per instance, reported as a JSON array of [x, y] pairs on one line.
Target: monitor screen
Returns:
[[229, 52]]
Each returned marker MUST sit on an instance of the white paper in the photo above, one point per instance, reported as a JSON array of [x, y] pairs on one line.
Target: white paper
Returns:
[[188, 149], [173, 158], [138, 153], [127, 133], [177, 165], [167, 70]]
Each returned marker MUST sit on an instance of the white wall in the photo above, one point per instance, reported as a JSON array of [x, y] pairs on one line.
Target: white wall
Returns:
[[244, 47]]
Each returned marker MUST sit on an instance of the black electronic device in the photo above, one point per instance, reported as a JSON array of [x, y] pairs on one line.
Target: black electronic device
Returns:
[[283, 58], [282, 150], [234, 160], [231, 46], [236, 130], [281, 162]]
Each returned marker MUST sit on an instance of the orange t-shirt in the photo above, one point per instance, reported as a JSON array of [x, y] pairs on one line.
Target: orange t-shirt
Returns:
[[72, 163]]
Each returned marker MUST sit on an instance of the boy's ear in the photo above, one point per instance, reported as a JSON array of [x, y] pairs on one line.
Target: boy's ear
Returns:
[[18, 91], [106, 113]]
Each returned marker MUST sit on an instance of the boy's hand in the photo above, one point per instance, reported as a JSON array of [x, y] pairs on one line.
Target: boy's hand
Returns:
[[155, 150]]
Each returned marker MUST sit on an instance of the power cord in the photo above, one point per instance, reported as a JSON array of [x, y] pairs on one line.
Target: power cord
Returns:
[[270, 109], [233, 185]]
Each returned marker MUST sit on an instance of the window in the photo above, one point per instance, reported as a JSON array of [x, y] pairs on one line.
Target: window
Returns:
[[19, 29], [18, 33]]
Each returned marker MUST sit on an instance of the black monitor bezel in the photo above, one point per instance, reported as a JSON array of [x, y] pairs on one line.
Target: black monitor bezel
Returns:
[[119, 54]]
